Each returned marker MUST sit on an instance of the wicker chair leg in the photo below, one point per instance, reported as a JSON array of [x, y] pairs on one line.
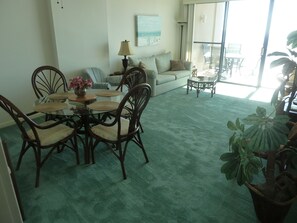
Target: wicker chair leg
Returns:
[[23, 151], [122, 158]]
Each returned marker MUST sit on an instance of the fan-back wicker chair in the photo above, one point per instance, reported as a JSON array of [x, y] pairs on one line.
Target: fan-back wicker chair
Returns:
[[49, 135], [121, 130], [47, 80], [131, 78]]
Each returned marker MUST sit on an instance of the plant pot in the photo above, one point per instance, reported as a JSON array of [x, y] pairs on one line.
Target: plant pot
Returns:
[[269, 211], [80, 92]]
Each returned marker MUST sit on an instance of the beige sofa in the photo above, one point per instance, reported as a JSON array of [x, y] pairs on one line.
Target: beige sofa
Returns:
[[163, 73]]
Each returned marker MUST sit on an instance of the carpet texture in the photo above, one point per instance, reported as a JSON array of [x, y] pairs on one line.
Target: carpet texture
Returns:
[[184, 137]]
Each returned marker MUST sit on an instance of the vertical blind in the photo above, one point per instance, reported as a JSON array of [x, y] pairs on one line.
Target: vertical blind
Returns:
[[205, 1]]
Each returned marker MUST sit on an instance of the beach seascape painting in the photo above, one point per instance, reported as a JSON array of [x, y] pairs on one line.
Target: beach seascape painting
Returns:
[[148, 30]]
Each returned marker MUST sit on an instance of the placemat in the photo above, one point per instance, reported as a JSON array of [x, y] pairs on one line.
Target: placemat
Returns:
[[58, 96], [50, 107], [104, 106], [108, 93]]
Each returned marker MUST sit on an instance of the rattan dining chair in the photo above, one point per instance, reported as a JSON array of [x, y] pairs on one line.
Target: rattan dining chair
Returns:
[[131, 78], [47, 80], [49, 135], [120, 130]]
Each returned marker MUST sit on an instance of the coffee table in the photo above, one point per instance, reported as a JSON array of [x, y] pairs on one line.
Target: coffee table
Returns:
[[202, 83]]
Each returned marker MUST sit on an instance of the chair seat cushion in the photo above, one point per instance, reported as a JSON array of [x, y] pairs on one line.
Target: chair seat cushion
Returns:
[[111, 132], [178, 74], [52, 135]]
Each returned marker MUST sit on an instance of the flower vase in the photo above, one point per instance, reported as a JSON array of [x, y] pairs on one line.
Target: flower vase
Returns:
[[80, 92]]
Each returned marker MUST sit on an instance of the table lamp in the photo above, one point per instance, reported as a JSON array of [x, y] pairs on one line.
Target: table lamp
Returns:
[[125, 51]]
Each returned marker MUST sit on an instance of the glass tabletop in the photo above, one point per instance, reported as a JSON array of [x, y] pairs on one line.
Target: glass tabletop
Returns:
[[202, 79], [68, 104]]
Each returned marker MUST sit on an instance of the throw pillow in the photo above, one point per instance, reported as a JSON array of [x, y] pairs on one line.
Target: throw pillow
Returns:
[[148, 63], [177, 65], [163, 62], [133, 61], [142, 65]]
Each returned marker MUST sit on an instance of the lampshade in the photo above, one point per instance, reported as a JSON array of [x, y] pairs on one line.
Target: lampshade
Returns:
[[125, 48]]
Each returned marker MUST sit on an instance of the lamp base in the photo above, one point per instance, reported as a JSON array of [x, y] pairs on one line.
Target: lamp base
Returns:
[[125, 64]]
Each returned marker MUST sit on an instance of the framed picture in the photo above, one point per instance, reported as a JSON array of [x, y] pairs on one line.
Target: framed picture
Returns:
[[148, 30]]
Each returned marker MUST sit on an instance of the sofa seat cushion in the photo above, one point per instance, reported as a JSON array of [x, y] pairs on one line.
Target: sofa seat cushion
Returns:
[[164, 78], [177, 74], [163, 62]]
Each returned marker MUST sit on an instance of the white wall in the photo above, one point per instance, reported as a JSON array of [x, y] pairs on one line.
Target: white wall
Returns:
[[82, 34], [25, 43], [80, 31], [121, 26]]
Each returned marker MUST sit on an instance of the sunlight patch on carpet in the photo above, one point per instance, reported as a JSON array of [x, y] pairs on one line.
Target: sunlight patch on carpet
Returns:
[[239, 91]]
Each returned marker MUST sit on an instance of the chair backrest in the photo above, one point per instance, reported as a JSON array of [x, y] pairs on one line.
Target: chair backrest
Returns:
[[48, 80], [95, 74], [134, 102], [21, 119], [132, 77]]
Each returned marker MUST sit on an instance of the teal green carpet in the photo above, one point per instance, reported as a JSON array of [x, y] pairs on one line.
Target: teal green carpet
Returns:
[[184, 137]]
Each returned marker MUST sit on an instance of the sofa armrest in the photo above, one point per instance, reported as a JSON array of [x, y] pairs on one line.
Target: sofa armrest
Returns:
[[188, 65], [151, 74]]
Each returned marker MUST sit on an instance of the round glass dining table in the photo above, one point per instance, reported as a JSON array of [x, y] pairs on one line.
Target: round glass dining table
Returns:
[[84, 110]]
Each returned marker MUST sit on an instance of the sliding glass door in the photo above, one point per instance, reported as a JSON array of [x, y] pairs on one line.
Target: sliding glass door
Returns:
[[233, 38], [283, 22], [228, 39], [245, 32], [207, 35]]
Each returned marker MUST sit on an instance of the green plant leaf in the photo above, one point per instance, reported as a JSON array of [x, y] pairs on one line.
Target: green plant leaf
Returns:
[[229, 166], [292, 39], [265, 133], [293, 53], [279, 62], [261, 111], [231, 139], [231, 126], [279, 90], [238, 124], [228, 156], [278, 54], [240, 177], [289, 67]]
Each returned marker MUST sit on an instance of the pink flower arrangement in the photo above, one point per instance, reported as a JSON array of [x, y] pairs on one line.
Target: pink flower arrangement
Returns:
[[79, 83]]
